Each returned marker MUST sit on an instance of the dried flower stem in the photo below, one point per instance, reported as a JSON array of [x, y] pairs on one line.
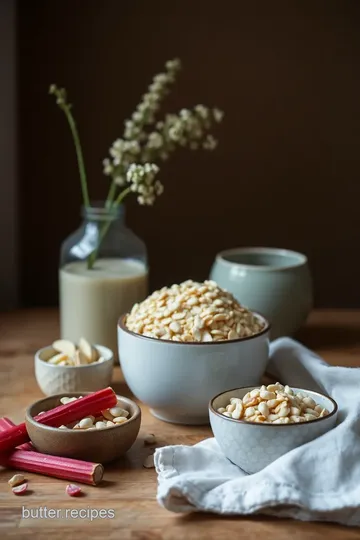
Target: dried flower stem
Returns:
[[61, 100], [131, 165]]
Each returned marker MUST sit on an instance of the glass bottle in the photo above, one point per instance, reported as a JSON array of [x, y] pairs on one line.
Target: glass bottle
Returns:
[[93, 295]]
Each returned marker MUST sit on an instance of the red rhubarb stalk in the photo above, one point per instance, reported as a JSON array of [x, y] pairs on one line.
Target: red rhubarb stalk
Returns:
[[5, 424], [74, 470], [61, 415]]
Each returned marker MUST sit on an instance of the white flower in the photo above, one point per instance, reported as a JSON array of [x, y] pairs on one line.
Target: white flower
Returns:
[[133, 147], [108, 168], [210, 143], [173, 65], [155, 140], [118, 144], [120, 180], [174, 133], [114, 152], [218, 115], [137, 116], [185, 113], [155, 87], [202, 111], [159, 188], [141, 200], [161, 79]]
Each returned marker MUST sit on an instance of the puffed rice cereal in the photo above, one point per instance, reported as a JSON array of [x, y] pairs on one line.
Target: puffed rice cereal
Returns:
[[193, 311], [274, 404]]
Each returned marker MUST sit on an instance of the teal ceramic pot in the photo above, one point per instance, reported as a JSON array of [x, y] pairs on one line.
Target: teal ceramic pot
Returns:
[[274, 282]]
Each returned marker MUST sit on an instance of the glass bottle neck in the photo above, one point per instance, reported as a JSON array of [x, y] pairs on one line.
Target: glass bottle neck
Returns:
[[99, 212]]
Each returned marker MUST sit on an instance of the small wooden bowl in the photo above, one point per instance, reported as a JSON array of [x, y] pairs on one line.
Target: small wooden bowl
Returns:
[[99, 446]]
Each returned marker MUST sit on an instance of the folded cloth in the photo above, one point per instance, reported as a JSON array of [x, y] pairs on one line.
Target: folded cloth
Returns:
[[317, 481]]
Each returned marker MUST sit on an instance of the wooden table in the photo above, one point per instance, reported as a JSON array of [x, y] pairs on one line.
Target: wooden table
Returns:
[[129, 489]]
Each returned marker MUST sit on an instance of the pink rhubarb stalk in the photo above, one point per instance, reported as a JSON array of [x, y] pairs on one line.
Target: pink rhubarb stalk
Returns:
[[74, 470], [61, 415], [5, 424]]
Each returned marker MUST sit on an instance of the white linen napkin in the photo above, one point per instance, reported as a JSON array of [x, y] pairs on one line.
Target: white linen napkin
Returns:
[[317, 481]]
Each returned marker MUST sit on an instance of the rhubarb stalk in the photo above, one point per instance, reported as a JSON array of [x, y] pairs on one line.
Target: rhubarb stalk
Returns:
[[74, 470], [5, 424], [61, 415]]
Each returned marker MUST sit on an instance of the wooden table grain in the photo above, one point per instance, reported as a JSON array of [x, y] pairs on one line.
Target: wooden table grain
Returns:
[[129, 489]]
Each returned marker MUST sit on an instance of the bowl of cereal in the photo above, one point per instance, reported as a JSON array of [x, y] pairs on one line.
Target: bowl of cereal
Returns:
[[255, 426], [187, 342]]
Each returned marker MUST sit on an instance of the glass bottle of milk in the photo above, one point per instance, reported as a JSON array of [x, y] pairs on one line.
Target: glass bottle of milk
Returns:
[[92, 299]]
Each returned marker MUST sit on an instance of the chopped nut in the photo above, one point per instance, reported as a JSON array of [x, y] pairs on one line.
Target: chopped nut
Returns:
[[149, 462], [16, 480], [150, 439], [274, 404], [119, 420], [100, 425]]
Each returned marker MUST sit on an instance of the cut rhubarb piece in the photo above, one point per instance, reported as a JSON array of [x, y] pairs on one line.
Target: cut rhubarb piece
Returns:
[[74, 470], [73, 490], [5, 424], [19, 490], [61, 415]]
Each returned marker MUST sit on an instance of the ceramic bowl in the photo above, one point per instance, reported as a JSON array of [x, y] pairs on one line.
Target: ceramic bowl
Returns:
[[275, 282], [176, 380], [253, 446], [53, 379], [99, 445]]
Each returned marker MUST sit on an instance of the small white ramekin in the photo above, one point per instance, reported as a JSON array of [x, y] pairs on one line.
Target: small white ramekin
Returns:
[[53, 379]]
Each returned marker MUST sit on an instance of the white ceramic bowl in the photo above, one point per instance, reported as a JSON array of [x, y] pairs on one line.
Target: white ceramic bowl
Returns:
[[176, 380], [53, 379], [253, 446]]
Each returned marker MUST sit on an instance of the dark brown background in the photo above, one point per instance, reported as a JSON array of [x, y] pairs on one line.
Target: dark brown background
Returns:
[[286, 173]]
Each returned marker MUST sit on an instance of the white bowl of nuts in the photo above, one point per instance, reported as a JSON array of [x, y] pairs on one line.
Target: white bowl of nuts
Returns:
[[185, 343], [255, 426], [67, 367]]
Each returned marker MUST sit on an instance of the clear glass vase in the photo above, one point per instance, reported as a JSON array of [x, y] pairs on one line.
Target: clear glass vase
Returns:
[[103, 272]]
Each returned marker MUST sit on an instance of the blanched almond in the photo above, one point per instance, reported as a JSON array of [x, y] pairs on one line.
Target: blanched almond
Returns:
[[149, 462], [16, 480], [90, 352], [64, 346], [150, 439], [119, 420], [80, 359], [60, 357], [118, 411]]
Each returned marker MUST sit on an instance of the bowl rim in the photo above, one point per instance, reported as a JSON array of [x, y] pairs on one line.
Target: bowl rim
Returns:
[[265, 330], [92, 365], [302, 259], [77, 432], [260, 424]]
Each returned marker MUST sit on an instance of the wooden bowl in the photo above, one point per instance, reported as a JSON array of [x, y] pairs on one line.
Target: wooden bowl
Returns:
[[98, 445]]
